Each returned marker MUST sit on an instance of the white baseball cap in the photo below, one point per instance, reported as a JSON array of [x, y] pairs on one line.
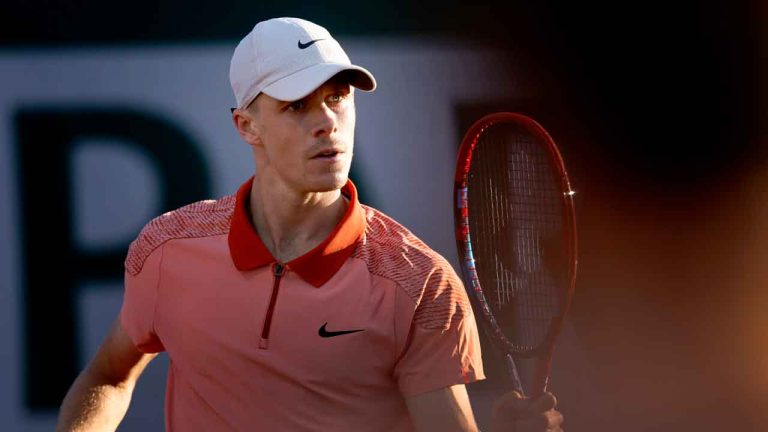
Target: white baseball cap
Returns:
[[288, 58]]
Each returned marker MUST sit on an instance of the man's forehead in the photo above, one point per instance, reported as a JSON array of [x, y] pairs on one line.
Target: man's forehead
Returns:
[[337, 82]]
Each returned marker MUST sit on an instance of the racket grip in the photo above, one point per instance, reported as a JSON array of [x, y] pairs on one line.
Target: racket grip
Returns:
[[513, 375]]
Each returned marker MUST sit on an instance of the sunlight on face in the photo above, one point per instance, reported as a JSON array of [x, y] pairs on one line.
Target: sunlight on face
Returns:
[[306, 144]]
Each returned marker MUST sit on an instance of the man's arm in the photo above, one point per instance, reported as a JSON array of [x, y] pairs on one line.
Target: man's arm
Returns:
[[99, 397], [447, 409]]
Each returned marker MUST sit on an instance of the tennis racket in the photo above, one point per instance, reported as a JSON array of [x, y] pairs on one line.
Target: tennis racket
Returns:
[[516, 236]]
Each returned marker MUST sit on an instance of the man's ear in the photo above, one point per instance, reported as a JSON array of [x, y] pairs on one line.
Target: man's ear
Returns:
[[246, 126]]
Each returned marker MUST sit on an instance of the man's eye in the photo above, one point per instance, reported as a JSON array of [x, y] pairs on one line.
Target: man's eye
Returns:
[[335, 98], [297, 106]]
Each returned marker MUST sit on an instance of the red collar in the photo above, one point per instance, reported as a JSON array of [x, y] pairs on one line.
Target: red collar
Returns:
[[316, 266]]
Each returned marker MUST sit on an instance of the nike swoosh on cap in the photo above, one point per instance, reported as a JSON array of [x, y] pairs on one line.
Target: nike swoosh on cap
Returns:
[[326, 334], [308, 44]]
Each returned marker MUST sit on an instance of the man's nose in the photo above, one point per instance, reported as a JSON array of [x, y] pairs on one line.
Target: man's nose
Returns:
[[324, 121]]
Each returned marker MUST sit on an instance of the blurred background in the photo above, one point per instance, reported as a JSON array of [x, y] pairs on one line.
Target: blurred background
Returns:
[[111, 114]]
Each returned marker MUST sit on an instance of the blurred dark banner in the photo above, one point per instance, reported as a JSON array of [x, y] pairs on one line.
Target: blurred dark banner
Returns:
[[671, 90], [659, 108]]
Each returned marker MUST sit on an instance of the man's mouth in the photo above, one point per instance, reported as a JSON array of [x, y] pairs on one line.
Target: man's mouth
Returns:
[[327, 154]]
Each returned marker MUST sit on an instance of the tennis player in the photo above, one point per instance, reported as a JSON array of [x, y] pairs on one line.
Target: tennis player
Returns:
[[289, 305]]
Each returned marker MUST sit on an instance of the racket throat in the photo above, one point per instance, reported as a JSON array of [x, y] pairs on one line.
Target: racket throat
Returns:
[[529, 376], [514, 376]]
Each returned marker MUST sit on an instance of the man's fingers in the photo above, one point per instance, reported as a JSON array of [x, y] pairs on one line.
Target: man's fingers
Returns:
[[549, 421], [508, 408], [523, 407], [527, 415], [545, 402], [511, 401]]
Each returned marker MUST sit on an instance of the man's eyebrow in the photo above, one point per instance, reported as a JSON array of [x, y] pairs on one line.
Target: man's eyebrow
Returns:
[[341, 86]]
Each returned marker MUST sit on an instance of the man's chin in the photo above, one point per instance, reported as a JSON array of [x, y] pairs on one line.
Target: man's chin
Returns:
[[329, 184]]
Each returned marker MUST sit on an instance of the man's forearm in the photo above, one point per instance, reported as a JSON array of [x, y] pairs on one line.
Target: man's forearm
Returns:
[[93, 404], [446, 409]]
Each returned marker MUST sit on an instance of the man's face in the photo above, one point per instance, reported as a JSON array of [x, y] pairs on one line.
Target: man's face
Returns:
[[306, 144]]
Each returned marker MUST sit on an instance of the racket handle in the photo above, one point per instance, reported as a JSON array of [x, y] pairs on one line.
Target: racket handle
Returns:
[[513, 375]]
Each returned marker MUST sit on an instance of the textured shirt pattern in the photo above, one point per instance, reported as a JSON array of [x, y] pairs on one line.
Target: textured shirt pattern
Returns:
[[184, 295], [393, 252]]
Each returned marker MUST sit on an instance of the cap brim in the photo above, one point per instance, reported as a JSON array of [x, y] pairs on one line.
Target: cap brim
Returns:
[[298, 85]]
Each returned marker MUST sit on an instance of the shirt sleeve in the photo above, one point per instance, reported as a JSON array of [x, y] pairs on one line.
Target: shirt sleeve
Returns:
[[442, 347], [137, 315]]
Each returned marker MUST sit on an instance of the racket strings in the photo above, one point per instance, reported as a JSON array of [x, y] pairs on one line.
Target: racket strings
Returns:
[[515, 220]]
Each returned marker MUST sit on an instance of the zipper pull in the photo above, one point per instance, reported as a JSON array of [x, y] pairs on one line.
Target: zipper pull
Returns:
[[278, 269]]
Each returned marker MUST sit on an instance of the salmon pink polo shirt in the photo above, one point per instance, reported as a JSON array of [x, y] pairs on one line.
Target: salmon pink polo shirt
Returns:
[[333, 340]]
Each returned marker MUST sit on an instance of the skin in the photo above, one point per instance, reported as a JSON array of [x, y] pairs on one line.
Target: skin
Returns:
[[99, 397], [295, 198], [302, 152]]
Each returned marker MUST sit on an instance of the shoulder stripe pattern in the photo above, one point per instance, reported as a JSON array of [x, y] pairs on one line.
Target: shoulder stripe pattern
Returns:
[[200, 219], [393, 252]]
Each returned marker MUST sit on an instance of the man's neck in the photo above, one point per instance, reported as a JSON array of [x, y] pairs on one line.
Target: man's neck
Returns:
[[291, 223]]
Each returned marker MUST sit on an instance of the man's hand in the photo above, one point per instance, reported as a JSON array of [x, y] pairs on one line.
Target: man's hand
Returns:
[[513, 413]]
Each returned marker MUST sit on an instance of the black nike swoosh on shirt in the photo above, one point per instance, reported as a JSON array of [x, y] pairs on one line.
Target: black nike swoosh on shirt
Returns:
[[326, 334], [308, 44]]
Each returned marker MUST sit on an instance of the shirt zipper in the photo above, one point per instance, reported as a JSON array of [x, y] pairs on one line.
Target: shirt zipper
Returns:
[[278, 271]]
